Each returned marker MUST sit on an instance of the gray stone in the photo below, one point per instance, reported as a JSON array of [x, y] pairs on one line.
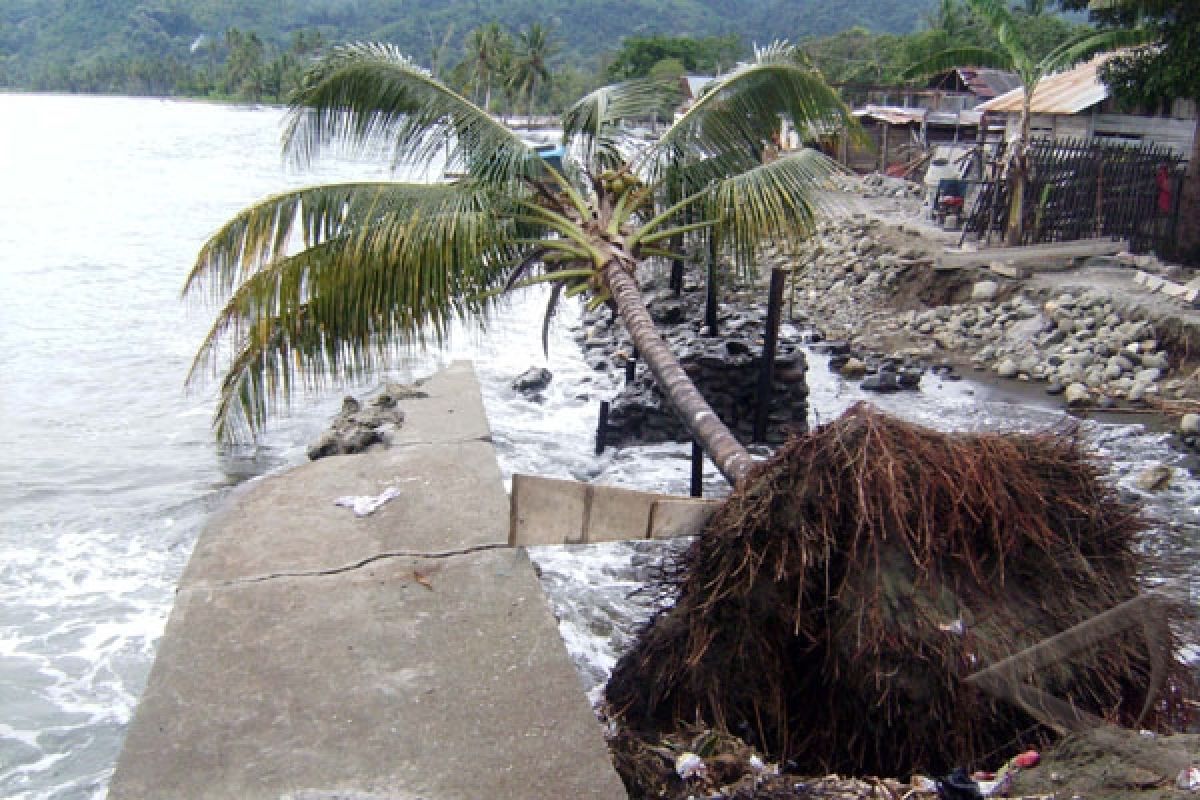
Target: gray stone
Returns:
[[984, 291], [1007, 368], [1154, 479], [854, 368], [1189, 424], [532, 380], [1148, 375], [1156, 360], [1077, 395]]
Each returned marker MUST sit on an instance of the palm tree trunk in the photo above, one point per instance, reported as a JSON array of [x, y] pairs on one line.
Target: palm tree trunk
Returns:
[[1018, 167], [726, 452]]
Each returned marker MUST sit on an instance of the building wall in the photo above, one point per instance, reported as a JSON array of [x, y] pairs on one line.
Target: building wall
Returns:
[[1173, 132]]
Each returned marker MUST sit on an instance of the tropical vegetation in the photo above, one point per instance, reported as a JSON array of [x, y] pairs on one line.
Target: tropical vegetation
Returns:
[[56, 44], [387, 265]]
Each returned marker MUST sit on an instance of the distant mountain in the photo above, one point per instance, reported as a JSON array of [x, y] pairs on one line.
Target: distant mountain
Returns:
[[40, 35]]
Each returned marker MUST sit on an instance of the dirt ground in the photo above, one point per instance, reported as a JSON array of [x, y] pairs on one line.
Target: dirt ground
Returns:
[[1082, 768]]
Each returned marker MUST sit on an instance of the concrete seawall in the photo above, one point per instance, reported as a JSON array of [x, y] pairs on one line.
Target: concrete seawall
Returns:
[[314, 655]]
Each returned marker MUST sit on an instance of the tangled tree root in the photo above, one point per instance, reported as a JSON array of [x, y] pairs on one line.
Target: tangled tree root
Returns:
[[836, 602]]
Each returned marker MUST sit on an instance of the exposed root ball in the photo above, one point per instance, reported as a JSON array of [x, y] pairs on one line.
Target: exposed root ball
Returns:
[[836, 602]]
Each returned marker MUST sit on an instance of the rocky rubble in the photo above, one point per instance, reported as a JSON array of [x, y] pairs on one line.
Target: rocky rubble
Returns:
[[356, 428], [874, 285]]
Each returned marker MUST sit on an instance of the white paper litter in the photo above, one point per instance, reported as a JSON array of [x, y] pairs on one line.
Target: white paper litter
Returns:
[[365, 504]]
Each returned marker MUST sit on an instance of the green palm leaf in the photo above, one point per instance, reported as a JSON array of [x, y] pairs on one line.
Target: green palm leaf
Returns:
[[958, 57], [393, 276], [363, 97], [777, 202], [265, 231], [1091, 43], [593, 122], [724, 131]]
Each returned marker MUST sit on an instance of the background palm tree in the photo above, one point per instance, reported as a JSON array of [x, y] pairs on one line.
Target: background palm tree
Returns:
[[385, 265], [489, 51], [1014, 53], [529, 69]]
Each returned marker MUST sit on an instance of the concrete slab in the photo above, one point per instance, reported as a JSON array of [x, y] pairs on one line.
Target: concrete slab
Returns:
[[307, 658]]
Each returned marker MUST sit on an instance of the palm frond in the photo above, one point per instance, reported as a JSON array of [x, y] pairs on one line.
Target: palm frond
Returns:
[[999, 19], [367, 96], [343, 306], [725, 130], [958, 57], [266, 231], [592, 122], [776, 202], [1090, 43]]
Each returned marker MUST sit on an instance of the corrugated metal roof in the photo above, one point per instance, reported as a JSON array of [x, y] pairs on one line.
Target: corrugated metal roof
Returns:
[[892, 115], [694, 84], [1064, 93], [988, 82]]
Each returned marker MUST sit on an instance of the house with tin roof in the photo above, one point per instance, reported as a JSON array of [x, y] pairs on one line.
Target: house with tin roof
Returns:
[[1075, 104]]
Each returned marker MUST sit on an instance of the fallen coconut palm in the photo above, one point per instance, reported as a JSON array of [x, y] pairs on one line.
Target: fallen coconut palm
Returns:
[[837, 601]]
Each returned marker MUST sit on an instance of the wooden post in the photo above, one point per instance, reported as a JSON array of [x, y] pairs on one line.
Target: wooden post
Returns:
[[710, 302], [770, 339], [697, 489], [602, 428]]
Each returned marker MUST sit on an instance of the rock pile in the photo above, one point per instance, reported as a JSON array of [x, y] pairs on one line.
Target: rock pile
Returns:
[[1080, 344], [357, 427], [724, 367]]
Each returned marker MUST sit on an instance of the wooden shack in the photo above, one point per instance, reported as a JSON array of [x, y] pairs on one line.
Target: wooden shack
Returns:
[[1075, 104]]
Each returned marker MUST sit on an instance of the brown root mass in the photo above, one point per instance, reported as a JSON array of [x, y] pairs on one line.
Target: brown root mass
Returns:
[[836, 602]]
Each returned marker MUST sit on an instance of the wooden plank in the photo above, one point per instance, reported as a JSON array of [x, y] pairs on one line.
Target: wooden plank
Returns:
[[548, 511], [1034, 255], [1063, 645]]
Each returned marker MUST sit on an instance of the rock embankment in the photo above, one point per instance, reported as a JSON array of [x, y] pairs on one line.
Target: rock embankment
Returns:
[[873, 284]]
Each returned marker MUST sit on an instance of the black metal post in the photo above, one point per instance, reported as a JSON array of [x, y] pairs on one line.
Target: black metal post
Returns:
[[602, 428], [767, 371], [710, 302], [697, 469], [631, 366]]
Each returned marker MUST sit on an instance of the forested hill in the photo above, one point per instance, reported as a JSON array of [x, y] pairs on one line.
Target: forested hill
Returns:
[[43, 41]]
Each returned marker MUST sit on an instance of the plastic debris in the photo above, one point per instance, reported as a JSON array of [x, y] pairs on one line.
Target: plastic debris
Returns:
[[1189, 779], [1027, 760], [958, 786], [690, 765], [364, 505]]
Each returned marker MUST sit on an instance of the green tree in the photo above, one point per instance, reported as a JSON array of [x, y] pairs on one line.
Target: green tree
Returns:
[[709, 54], [1014, 53], [1154, 77], [529, 69], [386, 264], [489, 53], [244, 65]]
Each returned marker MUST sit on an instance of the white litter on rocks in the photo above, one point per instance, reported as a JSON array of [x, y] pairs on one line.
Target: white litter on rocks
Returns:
[[365, 504]]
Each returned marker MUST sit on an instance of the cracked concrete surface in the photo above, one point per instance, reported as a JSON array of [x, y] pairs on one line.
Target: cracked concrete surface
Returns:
[[424, 662]]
